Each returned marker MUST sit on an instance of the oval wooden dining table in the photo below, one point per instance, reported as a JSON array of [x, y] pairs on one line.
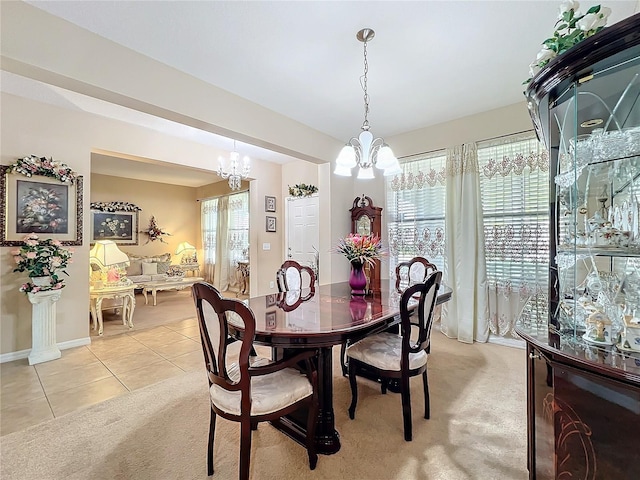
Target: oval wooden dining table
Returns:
[[318, 320]]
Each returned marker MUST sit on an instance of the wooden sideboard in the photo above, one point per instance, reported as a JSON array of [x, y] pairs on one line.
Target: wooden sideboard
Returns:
[[583, 409]]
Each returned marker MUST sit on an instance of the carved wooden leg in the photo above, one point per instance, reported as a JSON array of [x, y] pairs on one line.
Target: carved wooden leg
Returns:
[[406, 407], [425, 382], [312, 419], [245, 448], [212, 433], [354, 390]]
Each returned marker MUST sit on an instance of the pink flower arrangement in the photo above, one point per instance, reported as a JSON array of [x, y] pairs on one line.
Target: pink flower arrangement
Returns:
[[40, 258], [360, 248]]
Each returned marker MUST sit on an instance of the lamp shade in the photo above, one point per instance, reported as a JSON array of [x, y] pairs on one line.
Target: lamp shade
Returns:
[[106, 253], [185, 247]]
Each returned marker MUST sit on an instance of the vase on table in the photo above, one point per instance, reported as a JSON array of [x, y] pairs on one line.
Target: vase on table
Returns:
[[357, 279]]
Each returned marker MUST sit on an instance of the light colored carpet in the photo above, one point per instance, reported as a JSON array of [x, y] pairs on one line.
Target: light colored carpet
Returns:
[[477, 430]]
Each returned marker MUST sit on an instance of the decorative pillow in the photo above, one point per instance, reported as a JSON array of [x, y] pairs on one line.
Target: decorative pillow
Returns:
[[149, 268], [135, 267], [163, 266]]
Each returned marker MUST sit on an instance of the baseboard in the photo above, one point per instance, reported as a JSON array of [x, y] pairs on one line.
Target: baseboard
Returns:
[[507, 342], [11, 356]]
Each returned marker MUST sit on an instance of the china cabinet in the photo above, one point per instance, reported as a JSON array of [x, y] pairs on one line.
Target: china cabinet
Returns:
[[583, 340]]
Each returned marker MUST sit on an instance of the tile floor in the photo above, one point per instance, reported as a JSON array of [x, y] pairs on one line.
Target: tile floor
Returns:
[[84, 376]]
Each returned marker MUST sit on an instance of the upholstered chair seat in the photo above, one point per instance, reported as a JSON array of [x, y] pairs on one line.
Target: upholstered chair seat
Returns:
[[384, 351], [269, 393]]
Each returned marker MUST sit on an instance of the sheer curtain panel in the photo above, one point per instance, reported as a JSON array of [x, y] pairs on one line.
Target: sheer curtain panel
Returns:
[[466, 315], [209, 215], [514, 175]]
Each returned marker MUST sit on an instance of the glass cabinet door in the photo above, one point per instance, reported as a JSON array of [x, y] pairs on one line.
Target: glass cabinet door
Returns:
[[595, 129]]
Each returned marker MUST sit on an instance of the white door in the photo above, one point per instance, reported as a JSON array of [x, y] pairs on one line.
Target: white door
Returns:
[[302, 230]]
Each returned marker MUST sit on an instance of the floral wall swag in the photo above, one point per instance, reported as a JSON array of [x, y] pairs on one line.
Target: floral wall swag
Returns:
[[115, 207], [154, 231], [33, 165], [302, 190]]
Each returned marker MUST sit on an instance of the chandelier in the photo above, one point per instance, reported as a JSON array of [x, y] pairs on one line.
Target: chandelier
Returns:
[[235, 175], [366, 151]]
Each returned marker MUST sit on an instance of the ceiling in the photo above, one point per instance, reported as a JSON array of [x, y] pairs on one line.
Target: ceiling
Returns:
[[430, 61]]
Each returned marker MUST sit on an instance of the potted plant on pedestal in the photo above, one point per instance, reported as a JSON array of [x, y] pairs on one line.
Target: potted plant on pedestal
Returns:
[[42, 260]]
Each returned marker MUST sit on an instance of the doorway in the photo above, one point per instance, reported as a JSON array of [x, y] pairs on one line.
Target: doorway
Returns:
[[303, 237]]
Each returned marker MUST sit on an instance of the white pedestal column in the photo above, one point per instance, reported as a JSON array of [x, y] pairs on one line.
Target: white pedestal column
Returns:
[[43, 326]]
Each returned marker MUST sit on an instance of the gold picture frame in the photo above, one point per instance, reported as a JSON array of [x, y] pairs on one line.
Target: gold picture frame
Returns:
[[41, 205]]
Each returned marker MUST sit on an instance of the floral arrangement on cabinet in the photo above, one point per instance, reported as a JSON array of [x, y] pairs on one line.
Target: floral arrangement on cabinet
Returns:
[[42, 258], [360, 248], [572, 27], [154, 231]]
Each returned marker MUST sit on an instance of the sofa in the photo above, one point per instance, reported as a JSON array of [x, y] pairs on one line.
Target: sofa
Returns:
[[143, 269]]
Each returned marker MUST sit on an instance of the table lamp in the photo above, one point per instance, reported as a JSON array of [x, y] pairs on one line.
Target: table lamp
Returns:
[[188, 253], [110, 259]]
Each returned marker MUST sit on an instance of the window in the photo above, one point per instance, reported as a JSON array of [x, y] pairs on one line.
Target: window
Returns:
[[415, 209], [225, 235], [514, 183]]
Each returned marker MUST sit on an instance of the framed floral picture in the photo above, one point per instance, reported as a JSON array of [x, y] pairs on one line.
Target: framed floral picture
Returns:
[[270, 320], [39, 204], [271, 224], [119, 226], [269, 204]]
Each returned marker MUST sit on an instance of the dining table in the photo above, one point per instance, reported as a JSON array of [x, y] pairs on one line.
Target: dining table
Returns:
[[317, 319]]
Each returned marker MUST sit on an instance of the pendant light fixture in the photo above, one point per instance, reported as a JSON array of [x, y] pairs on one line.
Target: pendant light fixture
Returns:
[[366, 151], [235, 173]]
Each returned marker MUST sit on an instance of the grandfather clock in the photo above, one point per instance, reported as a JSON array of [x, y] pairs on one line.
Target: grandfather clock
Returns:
[[367, 220]]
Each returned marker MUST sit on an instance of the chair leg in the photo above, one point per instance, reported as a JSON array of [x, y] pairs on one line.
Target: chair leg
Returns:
[[245, 448], [427, 403], [212, 432], [406, 407], [343, 363], [354, 389], [312, 420]]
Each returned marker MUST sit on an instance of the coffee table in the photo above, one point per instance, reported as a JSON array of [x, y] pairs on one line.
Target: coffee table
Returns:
[[169, 284]]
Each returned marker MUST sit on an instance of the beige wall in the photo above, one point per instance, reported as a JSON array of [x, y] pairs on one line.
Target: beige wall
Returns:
[[174, 207], [30, 127]]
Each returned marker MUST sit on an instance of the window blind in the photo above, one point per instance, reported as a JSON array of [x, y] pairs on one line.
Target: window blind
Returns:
[[514, 184], [415, 211]]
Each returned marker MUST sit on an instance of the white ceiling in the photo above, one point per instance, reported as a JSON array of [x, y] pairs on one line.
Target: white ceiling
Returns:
[[430, 61]]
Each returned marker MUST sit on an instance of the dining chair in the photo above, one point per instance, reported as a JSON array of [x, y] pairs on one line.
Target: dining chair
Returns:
[[397, 356], [413, 271], [407, 273], [293, 276], [245, 388]]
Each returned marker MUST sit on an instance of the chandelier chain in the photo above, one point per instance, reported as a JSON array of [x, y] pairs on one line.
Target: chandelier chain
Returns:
[[365, 124]]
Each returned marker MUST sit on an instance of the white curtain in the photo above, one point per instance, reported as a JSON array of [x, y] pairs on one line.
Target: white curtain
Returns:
[[209, 215], [225, 237], [466, 316], [221, 275]]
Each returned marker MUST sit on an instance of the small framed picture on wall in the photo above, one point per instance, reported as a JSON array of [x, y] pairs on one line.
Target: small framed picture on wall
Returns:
[[269, 204], [271, 224]]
